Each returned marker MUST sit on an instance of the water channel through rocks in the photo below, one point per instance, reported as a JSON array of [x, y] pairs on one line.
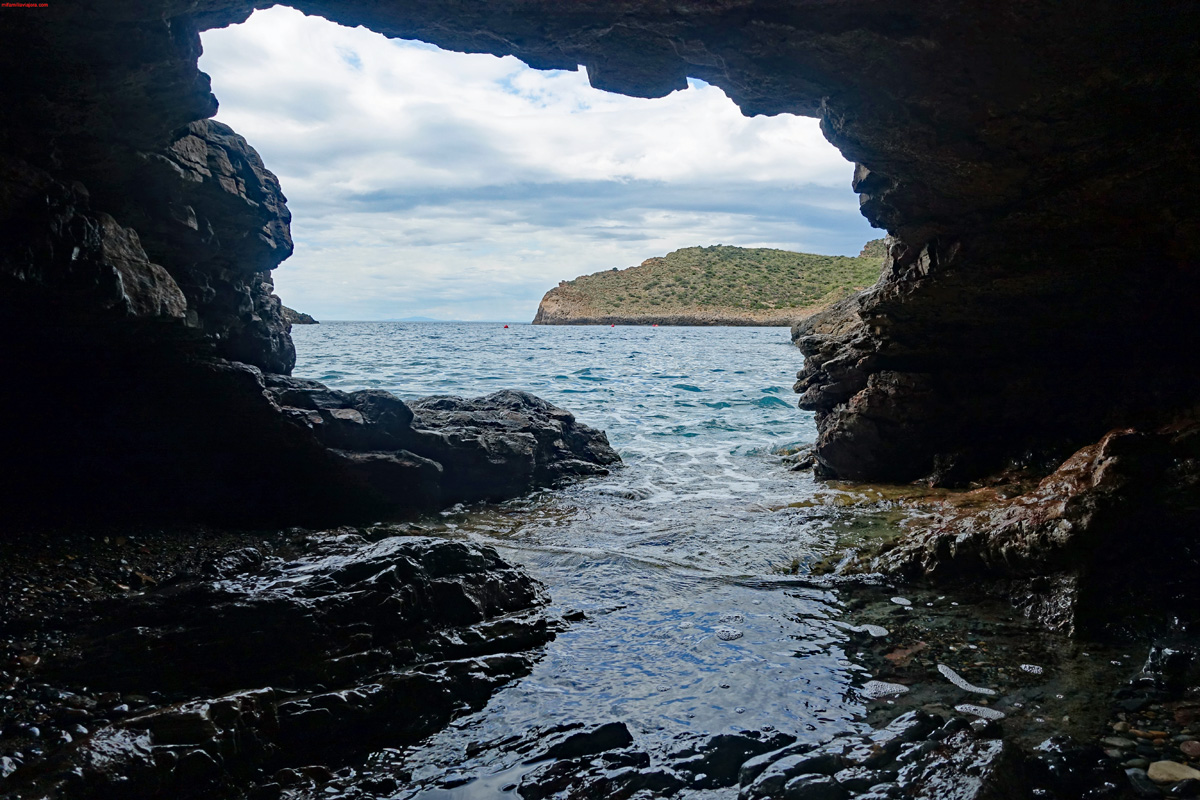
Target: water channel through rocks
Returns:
[[674, 642]]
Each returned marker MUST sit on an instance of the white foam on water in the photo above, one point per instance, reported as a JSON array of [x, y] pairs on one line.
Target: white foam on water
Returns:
[[728, 634], [979, 711], [961, 683], [877, 689], [1032, 669], [878, 631]]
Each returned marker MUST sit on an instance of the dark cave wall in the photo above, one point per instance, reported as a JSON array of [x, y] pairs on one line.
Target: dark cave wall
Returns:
[[111, 118], [1031, 163]]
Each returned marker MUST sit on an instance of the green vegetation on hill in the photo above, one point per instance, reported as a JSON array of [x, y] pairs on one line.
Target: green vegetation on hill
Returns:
[[876, 248], [723, 278]]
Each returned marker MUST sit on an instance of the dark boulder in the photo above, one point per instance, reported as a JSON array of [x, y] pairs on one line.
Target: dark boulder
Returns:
[[444, 450], [505, 443]]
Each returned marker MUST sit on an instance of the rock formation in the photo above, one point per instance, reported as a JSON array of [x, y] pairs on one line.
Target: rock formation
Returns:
[[294, 317], [1096, 544]]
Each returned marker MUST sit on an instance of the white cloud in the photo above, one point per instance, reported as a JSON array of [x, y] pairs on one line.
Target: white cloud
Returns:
[[465, 186]]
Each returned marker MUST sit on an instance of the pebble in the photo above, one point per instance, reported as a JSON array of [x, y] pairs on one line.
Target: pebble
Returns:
[[1142, 787], [1191, 748], [902, 601], [1032, 669], [1147, 734], [1119, 742], [1186, 789], [1171, 772]]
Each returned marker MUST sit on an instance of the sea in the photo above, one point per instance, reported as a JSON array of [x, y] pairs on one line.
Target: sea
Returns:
[[686, 569]]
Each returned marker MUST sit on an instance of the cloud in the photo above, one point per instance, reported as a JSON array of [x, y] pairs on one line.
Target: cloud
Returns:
[[465, 185]]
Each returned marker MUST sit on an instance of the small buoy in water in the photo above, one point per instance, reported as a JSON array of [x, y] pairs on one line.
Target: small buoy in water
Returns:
[[655, 325], [614, 325], [506, 326]]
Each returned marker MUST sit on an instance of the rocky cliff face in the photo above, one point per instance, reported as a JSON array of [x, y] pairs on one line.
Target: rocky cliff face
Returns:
[[294, 317], [1041, 276]]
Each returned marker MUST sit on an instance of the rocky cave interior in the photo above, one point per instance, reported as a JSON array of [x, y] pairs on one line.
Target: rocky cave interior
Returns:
[[1036, 312]]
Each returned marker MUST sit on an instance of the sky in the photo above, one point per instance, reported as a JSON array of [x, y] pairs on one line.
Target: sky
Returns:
[[429, 183]]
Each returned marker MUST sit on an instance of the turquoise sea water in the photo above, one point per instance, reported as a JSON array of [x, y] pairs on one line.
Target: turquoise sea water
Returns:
[[695, 413], [682, 561], [678, 556]]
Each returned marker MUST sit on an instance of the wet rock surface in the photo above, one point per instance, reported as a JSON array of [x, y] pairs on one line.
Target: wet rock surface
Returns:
[[1153, 736], [1083, 548], [355, 644], [918, 755], [496, 446], [444, 450], [285, 657]]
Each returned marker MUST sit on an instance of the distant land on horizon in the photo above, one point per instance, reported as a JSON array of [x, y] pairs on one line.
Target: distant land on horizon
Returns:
[[294, 317], [716, 285], [435, 319]]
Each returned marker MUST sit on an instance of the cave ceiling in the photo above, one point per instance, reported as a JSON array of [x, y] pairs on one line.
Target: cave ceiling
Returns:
[[955, 109]]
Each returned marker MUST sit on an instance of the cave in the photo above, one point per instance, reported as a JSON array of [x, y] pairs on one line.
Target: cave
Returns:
[[1036, 310], [1038, 290]]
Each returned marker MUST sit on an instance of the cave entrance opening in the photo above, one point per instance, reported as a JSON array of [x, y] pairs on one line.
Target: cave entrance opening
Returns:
[[429, 183]]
